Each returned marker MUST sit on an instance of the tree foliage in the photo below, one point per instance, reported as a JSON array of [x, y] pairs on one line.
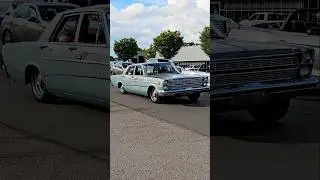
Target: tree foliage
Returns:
[[168, 43], [126, 48], [150, 52], [205, 39]]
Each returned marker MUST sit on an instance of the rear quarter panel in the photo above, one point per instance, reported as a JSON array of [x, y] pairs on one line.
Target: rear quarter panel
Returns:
[[17, 56]]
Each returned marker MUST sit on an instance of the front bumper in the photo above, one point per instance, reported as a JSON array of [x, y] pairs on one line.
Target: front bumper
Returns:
[[182, 92], [256, 93]]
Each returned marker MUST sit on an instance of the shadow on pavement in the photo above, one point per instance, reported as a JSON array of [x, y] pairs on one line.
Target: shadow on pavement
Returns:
[[246, 129]]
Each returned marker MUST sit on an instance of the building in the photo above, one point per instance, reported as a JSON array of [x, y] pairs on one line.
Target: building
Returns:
[[189, 55], [240, 9]]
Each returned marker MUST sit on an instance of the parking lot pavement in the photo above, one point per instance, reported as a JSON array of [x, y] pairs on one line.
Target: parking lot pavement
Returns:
[[25, 157], [143, 147], [179, 111]]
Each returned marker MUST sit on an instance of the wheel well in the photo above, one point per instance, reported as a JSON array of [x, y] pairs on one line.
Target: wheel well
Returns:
[[119, 84], [149, 89], [30, 70]]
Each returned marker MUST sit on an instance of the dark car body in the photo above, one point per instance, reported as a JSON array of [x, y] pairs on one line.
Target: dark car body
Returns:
[[259, 77], [29, 21]]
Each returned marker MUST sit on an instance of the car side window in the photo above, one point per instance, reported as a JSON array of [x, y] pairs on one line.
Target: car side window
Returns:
[[21, 12], [92, 30], [130, 70], [261, 17], [138, 71], [32, 13], [254, 17], [67, 29]]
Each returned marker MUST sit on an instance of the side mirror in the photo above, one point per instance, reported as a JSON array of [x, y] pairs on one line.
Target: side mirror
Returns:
[[33, 19]]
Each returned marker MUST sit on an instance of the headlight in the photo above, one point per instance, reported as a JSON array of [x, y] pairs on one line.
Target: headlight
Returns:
[[165, 83], [205, 81], [306, 63]]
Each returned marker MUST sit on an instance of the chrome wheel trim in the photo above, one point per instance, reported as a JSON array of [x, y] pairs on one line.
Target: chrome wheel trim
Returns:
[[154, 95], [38, 86], [7, 37], [122, 89]]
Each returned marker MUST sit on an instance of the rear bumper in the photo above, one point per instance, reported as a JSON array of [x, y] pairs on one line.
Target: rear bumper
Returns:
[[257, 93], [182, 92]]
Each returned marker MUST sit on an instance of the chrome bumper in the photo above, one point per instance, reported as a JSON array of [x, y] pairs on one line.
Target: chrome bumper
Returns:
[[182, 92], [255, 93]]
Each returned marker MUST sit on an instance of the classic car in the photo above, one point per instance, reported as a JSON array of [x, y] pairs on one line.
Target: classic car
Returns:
[[63, 63], [29, 21], [119, 67], [158, 80], [264, 18], [259, 77]]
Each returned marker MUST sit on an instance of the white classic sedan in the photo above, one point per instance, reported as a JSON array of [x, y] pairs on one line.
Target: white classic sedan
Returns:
[[159, 79], [70, 60]]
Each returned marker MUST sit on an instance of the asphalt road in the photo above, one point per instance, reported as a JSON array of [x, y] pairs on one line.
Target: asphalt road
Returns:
[[287, 151], [76, 126], [180, 111]]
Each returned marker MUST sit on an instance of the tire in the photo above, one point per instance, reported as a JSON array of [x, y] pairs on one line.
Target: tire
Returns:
[[194, 97], [269, 113], [154, 97], [39, 89], [122, 90]]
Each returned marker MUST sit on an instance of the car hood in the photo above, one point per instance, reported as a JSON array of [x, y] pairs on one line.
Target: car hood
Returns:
[[169, 76]]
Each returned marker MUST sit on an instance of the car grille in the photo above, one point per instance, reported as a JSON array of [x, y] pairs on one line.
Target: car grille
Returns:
[[183, 83], [254, 70]]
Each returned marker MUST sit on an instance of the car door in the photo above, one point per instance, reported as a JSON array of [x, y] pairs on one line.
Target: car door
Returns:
[[60, 66], [33, 26], [139, 80], [127, 79], [93, 51]]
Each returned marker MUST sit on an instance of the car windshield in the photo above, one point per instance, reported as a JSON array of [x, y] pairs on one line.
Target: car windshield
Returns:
[[47, 13], [160, 68]]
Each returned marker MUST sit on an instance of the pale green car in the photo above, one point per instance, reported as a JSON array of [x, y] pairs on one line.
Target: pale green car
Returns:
[[70, 60], [158, 80]]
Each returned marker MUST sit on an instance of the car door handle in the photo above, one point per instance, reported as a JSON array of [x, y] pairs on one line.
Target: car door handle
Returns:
[[72, 48]]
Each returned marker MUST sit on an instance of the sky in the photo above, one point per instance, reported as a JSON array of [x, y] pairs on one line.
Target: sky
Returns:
[[145, 19]]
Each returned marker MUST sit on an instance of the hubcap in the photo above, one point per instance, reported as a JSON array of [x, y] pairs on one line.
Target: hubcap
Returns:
[[154, 95], [38, 86]]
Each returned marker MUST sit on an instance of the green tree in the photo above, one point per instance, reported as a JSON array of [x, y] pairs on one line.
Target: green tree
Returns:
[[126, 48], [205, 40], [150, 52], [168, 43]]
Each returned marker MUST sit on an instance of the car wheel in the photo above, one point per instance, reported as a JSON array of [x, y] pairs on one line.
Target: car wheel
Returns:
[[271, 112], [194, 97], [154, 95], [39, 89], [4, 70], [7, 38], [122, 90]]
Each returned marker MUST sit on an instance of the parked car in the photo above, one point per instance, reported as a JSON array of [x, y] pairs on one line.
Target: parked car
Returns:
[[63, 63], [29, 21], [264, 18], [259, 77], [194, 73], [159, 79], [119, 67], [158, 60]]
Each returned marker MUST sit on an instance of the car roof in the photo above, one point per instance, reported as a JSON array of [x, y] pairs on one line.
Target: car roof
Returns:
[[50, 4], [104, 7], [146, 63]]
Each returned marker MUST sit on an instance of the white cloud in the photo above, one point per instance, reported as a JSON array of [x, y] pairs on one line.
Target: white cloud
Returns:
[[144, 22]]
